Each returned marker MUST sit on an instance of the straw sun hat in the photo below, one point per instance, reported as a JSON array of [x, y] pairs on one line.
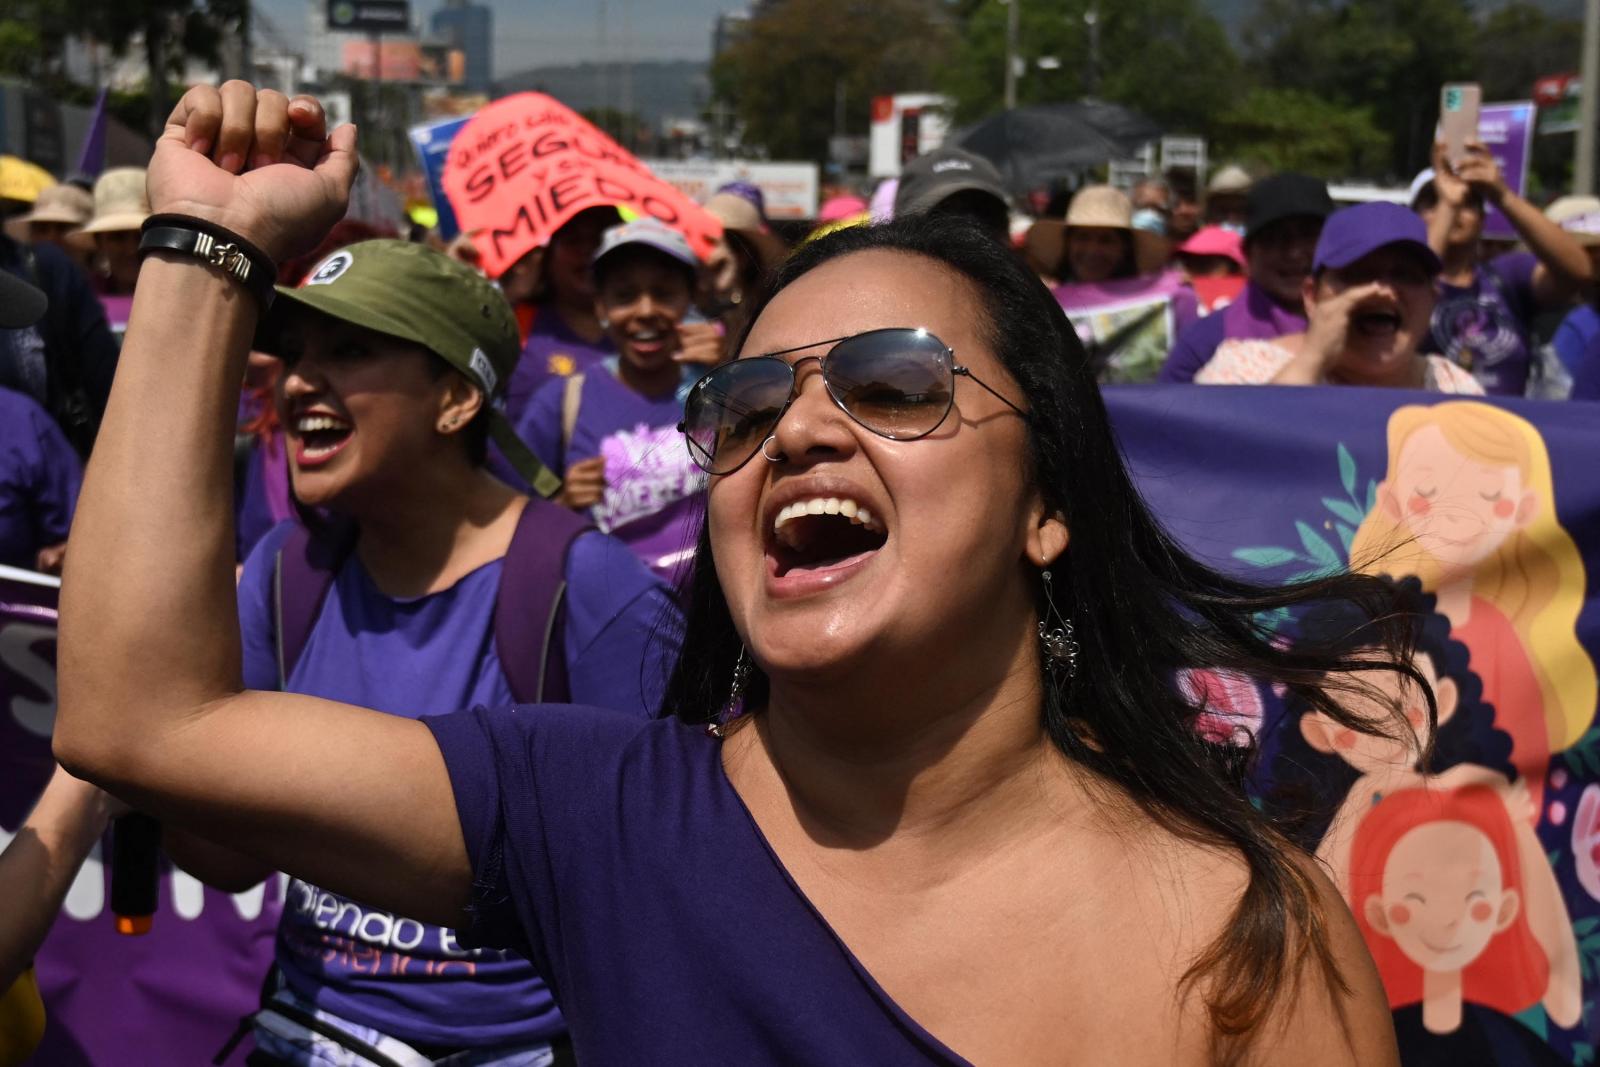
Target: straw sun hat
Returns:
[[62, 203], [1103, 207], [120, 201]]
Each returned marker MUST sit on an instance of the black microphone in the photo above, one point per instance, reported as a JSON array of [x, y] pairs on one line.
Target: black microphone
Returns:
[[135, 866]]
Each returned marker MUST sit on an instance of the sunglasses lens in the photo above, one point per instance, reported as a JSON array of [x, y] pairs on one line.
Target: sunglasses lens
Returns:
[[730, 411], [897, 383]]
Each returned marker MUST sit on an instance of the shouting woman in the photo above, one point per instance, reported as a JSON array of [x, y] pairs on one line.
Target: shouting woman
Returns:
[[927, 794]]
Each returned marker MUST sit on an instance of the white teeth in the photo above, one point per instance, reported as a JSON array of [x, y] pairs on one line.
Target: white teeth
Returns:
[[313, 423], [856, 513]]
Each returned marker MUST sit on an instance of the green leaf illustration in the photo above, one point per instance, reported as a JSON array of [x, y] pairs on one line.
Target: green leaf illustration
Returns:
[[1347, 536], [1264, 556], [1347, 469], [1317, 548], [1344, 510], [1372, 495]]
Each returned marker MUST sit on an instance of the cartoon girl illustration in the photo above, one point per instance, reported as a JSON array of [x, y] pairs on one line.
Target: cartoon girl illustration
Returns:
[[1468, 506], [1440, 899], [1318, 757]]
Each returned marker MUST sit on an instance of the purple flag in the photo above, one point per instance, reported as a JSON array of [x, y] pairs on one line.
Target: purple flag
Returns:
[[92, 156]]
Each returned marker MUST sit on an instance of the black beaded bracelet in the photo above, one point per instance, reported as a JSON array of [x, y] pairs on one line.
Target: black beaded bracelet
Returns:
[[213, 244]]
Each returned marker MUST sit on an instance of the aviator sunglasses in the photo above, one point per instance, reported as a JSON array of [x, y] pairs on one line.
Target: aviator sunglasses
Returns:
[[898, 382]]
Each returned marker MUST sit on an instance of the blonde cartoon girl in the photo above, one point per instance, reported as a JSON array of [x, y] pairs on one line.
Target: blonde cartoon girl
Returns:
[[1468, 506], [1440, 899]]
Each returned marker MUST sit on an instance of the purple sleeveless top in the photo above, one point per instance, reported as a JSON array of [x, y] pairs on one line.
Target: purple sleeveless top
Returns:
[[617, 857]]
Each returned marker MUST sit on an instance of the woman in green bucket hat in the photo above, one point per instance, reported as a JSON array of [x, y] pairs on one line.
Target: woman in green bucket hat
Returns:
[[420, 585]]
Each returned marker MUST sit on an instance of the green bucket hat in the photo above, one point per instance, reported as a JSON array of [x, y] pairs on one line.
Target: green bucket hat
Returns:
[[409, 291]]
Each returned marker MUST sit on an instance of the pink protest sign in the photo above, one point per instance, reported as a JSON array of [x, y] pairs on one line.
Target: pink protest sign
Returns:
[[526, 164]]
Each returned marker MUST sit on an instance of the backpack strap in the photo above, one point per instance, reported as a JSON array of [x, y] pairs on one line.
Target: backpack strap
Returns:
[[571, 398], [302, 575], [529, 610]]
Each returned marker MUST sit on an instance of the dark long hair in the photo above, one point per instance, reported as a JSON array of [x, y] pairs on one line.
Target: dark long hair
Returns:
[[1144, 609]]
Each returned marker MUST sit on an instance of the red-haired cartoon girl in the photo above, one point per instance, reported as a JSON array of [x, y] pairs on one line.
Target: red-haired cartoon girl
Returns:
[[1439, 896]]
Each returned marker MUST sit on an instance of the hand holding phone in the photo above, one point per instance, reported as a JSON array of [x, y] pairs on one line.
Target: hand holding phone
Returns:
[[1459, 104]]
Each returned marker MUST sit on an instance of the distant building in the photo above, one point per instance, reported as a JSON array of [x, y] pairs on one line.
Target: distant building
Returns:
[[469, 28], [727, 30], [325, 47]]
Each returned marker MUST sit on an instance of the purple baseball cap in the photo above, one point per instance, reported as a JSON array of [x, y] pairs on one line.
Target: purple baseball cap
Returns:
[[748, 191], [650, 233], [1357, 231]]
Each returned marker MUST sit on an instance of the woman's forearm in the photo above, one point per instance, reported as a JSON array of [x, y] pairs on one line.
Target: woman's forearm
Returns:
[[1563, 257], [149, 627], [38, 866]]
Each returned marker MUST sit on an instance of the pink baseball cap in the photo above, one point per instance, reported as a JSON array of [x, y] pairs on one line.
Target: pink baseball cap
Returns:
[[1214, 241], [841, 207]]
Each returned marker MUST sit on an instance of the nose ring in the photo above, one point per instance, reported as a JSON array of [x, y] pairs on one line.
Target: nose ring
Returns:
[[779, 458]]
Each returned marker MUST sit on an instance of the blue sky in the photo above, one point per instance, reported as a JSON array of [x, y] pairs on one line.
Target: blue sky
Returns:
[[536, 33]]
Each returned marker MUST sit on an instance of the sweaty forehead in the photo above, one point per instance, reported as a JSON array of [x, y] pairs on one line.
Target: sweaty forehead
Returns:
[[868, 291]]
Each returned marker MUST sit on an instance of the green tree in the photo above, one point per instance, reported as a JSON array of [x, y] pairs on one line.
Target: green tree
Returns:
[[1291, 129], [1166, 58], [1388, 57], [803, 65], [33, 35], [1518, 44]]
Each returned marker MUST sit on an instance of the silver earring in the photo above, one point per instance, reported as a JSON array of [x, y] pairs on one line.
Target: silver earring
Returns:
[[731, 710], [1060, 643]]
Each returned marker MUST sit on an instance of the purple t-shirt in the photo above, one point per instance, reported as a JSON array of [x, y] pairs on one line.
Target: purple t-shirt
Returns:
[[552, 351], [1575, 335], [1253, 316], [617, 857], [1486, 326], [653, 498], [431, 656], [39, 479], [1586, 378]]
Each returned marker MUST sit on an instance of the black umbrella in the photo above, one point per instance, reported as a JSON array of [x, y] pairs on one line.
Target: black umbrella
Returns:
[[1036, 145]]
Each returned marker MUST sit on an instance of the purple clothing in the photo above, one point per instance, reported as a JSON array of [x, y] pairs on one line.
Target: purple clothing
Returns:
[[1575, 334], [617, 857], [1486, 326], [264, 498], [39, 480], [1255, 316], [552, 351], [1586, 379], [429, 656], [653, 498], [1118, 322]]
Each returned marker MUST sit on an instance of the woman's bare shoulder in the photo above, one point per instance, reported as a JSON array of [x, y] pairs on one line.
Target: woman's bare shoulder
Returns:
[[1189, 894]]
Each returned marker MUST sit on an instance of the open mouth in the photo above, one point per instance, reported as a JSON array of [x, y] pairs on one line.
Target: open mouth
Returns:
[[320, 436], [1376, 322], [824, 534], [648, 342]]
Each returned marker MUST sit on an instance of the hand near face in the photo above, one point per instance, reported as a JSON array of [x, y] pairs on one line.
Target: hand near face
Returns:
[[700, 343], [584, 485], [1328, 328], [256, 163]]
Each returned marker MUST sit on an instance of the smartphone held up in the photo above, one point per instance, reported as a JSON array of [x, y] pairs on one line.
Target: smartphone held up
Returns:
[[1459, 104]]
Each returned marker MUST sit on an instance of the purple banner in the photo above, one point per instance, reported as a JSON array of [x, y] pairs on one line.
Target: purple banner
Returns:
[[1474, 877], [172, 996], [1507, 131]]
